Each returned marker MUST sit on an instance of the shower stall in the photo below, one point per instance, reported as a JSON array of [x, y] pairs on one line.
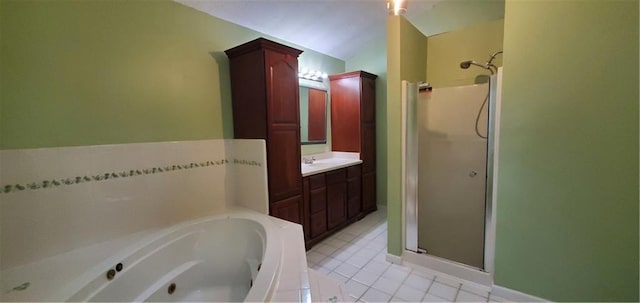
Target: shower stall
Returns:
[[450, 140]]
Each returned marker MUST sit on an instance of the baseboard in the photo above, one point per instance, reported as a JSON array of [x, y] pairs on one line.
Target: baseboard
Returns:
[[514, 295], [448, 267], [394, 259]]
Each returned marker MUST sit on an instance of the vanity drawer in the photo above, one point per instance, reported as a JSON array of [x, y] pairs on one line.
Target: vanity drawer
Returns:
[[316, 181], [354, 171], [336, 176]]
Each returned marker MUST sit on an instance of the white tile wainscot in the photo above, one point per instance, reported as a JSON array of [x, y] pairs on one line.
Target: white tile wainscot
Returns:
[[56, 200], [83, 222]]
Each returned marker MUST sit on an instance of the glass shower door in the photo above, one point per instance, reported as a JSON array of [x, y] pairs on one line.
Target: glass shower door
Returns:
[[452, 161]]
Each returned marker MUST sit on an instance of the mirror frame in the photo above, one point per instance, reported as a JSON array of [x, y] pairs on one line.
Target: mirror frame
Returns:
[[319, 86]]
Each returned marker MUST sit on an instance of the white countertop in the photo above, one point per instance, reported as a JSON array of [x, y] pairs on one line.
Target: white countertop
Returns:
[[329, 161]]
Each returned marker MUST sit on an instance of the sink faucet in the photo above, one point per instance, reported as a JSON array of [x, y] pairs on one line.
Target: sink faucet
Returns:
[[306, 160]]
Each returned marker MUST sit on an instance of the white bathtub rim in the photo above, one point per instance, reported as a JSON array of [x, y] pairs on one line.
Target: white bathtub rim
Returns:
[[261, 286], [74, 278]]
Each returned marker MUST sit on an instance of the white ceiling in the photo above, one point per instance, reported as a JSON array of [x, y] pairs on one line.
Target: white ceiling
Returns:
[[339, 28]]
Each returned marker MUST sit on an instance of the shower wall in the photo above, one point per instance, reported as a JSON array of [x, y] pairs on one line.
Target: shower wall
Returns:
[[452, 173]]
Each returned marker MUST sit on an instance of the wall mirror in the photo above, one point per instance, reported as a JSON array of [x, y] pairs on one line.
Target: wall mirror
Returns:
[[313, 115]]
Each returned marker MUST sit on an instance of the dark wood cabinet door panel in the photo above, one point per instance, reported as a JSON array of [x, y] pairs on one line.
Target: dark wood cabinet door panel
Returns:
[[354, 207], [345, 114], [354, 188], [249, 105], [368, 153], [335, 176], [354, 204], [354, 171], [282, 88], [317, 181], [288, 209], [336, 204], [306, 218], [368, 100], [318, 200], [318, 224], [283, 164], [369, 192]]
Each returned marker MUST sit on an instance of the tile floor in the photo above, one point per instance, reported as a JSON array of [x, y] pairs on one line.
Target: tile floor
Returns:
[[356, 257]]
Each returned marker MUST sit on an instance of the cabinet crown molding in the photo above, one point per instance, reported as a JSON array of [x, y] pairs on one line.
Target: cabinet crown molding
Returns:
[[358, 73], [261, 43]]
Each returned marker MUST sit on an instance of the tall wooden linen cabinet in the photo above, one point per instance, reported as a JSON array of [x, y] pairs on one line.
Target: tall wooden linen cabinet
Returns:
[[353, 125], [264, 88]]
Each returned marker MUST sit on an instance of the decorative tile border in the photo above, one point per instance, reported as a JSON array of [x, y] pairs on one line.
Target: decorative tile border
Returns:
[[9, 188]]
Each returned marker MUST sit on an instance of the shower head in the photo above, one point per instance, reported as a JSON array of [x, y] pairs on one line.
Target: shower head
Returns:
[[467, 64], [492, 68]]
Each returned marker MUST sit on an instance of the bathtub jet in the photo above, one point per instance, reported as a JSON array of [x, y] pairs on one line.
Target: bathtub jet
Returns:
[[224, 258]]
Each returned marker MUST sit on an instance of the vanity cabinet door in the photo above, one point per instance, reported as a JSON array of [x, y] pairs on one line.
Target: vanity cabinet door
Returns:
[[318, 224], [306, 214], [368, 192], [318, 205], [368, 156], [336, 198], [354, 189], [285, 179], [315, 195], [288, 209], [283, 142]]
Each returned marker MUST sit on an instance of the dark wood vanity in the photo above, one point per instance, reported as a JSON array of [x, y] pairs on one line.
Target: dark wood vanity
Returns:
[[264, 88], [265, 92], [331, 202], [353, 125], [337, 198]]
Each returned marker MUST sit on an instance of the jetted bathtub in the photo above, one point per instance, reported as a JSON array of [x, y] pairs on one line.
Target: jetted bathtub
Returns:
[[232, 257]]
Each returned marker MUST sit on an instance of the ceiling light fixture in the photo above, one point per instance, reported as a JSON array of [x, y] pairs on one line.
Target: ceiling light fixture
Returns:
[[397, 7], [314, 75]]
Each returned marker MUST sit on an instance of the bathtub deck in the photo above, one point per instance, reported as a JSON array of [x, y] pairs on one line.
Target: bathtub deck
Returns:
[[59, 277], [55, 278]]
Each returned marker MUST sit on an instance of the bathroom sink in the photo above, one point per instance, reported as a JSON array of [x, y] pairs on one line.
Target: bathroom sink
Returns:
[[329, 163]]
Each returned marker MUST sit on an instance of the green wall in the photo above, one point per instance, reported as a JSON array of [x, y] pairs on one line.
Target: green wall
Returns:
[[374, 60], [447, 50], [452, 15], [105, 72], [406, 60], [567, 213]]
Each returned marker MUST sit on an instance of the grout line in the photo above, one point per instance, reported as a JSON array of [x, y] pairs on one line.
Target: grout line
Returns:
[[401, 283], [457, 292], [345, 261], [374, 281], [364, 228], [433, 280]]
